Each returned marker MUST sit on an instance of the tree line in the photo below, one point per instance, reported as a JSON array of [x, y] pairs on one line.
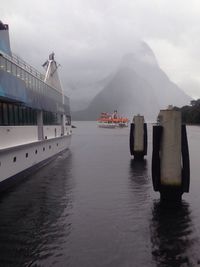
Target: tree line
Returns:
[[191, 114]]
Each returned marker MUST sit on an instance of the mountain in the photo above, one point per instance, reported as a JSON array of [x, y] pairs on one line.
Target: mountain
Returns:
[[138, 86], [80, 101]]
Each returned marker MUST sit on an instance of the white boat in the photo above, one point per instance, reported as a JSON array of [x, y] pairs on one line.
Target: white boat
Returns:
[[35, 122], [106, 125]]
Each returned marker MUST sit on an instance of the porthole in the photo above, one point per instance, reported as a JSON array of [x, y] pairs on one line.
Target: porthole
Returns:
[[49, 147], [14, 159], [57, 144], [43, 148], [26, 155], [36, 151]]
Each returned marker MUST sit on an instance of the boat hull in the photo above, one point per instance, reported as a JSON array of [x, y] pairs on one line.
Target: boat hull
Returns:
[[17, 162], [112, 125], [107, 125], [122, 125]]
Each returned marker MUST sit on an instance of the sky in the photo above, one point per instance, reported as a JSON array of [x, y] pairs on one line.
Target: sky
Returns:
[[89, 37]]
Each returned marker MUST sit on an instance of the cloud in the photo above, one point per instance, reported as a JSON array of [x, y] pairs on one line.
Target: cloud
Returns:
[[89, 37]]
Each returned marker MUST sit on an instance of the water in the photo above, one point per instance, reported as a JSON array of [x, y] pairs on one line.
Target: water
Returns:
[[94, 206]]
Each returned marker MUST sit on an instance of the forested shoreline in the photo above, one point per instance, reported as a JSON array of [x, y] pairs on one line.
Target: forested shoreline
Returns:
[[191, 114]]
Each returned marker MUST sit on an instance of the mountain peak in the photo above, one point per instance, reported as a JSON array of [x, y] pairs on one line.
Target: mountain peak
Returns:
[[138, 86], [142, 54]]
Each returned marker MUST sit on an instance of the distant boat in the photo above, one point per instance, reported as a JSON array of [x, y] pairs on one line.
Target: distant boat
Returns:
[[113, 120]]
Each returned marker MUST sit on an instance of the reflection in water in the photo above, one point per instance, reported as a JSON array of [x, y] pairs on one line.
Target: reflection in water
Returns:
[[94, 208], [172, 236], [139, 184], [138, 171], [35, 217]]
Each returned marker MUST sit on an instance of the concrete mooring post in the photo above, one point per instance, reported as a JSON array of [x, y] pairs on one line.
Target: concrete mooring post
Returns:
[[170, 157], [138, 138]]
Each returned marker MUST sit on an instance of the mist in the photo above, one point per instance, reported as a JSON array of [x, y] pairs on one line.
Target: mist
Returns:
[[90, 38]]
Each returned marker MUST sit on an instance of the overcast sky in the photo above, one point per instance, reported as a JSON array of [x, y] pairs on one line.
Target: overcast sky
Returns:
[[89, 36]]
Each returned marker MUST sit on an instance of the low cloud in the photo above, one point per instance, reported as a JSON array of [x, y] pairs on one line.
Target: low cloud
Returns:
[[90, 37]]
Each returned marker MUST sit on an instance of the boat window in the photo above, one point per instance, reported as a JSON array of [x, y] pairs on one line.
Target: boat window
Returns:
[[14, 69], [22, 74], [45, 89], [24, 112], [2, 63], [18, 71], [33, 83], [68, 120], [36, 85], [27, 116], [20, 116], [8, 66], [1, 114], [34, 117], [40, 87], [49, 118], [10, 114], [16, 115], [29, 80], [25, 77], [30, 116], [5, 114]]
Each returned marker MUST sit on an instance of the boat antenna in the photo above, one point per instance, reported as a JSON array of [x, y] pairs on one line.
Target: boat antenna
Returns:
[[51, 57]]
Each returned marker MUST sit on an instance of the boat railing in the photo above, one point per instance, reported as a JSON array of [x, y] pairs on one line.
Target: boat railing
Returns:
[[23, 64], [34, 79]]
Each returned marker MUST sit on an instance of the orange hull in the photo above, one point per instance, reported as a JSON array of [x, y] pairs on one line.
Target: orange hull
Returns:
[[107, 118]]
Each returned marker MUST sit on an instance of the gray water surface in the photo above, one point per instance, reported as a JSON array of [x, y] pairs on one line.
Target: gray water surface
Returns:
[[95, 206]]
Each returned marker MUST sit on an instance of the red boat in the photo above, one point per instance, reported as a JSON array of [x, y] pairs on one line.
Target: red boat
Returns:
[[112, 120]]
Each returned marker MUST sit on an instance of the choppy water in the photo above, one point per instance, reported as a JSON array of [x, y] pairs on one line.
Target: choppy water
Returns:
[[94, 206]]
